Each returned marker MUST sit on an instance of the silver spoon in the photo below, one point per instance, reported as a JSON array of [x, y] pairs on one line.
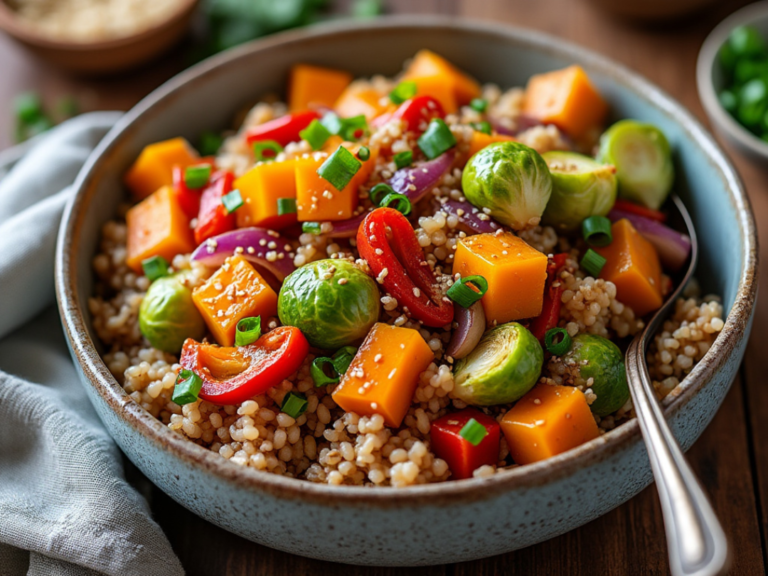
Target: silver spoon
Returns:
[[695, 539]]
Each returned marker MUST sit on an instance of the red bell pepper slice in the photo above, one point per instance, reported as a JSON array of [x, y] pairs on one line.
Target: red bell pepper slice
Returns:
[[415, 113], [282, 130], [462, 456], [233, 375], [387, 241], [213, 219], [553, 293], [633, 208]]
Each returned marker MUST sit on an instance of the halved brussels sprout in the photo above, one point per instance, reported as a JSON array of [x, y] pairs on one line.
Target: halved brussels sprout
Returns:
[[581, 187], [601, 360], [332, 302], [511, 180], [168, 316], [504, 365], [643, 160]]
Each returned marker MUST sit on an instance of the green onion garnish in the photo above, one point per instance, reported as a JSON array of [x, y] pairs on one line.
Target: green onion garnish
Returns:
[[403, 159], [286, 206], [597, 231], [232, 201], [354, 128], [188, 386], [468, 290], [473, 432], [323, 372], [312, 228], [402, 203], [209, 144], [379, 192], [316, 134], [364, 153], [265, 150], [592, 263], [343, 358], [557, 341], [403, 92], [28, 107], [479, 105], [332, 123], [294, 404], [484, 127], [339, 168], [197, 176], [247, 331], [437, 139], [155, 267]]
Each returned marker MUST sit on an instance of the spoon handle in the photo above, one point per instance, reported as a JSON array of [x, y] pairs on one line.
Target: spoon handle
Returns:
[[695, 540]]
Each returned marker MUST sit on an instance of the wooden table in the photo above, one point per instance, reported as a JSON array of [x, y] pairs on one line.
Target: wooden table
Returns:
[[731, 457]]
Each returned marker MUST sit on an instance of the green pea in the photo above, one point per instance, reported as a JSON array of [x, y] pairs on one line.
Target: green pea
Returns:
[[746, 41]]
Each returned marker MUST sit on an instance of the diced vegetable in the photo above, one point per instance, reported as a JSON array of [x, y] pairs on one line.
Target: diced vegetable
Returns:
[[427, 64], [155, 267], [601, 365], [187, 388], [153, 168], [553, 293], [547, 421], [167, 316], [592, 263], [188, 199], [402, 92], [480, 140], [462, 456], [313, 86], [359, 99], [437, 139], [416, 114], [248, 330], [214, 218], [235, 291], [282, 130], [596, 231], [294, 404], [339, 168], [515, 272], [384, 373], [566, 98], [261, 188], [633, 266], [557, 341], [504, 365], [672, 247], [157, 226], [467, 290], [267, 150], [440, 90]]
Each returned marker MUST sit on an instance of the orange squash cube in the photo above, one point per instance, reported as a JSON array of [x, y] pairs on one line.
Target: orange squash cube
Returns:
[[313, 86], [235, 291], [261, 188], [359, 99], [153, 168], [515, 272], [428, 64], [632, 264], [441, 89], [384, 373], [547, 421], [480, 140], [157, 226]]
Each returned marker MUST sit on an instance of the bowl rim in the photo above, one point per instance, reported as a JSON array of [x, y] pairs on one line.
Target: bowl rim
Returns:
[[707, 59], [469, 490]]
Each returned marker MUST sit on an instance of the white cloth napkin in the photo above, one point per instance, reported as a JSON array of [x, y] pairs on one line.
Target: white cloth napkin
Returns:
[[65, 507]]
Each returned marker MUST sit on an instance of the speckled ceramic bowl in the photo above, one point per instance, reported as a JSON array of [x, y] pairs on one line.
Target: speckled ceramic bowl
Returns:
[[439, 523]]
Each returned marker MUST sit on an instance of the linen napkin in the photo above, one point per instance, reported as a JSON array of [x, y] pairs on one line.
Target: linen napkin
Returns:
[[65, 507]]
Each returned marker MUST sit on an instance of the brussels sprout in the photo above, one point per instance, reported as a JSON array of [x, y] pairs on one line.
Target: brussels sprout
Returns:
[[504, 365], [643, 160], [168, 316], [511, 180], [602, 361], [332, 302], [581, 188]]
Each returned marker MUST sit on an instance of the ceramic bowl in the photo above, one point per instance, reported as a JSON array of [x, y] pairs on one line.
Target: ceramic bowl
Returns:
[[439, 523]]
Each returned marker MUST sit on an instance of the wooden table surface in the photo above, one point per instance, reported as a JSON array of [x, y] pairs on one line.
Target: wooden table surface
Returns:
[[731, 457]]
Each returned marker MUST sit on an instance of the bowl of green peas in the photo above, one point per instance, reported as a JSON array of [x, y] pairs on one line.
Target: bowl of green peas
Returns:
[[732, 78]]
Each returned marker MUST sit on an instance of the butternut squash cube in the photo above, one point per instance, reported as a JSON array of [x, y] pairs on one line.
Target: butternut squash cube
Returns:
[[384, 373], [261, 188], [153, 168], [480, 140], [428, 64], [157, 226], [235, 291], [313, 86], [441, 89], [547, 421], [515, 272], [359, 99], [632, 264]]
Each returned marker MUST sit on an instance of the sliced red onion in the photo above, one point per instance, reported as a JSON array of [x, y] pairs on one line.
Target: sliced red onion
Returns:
[[672, 246], [345, 228], [470, 218], [471, 327], [417, 181]]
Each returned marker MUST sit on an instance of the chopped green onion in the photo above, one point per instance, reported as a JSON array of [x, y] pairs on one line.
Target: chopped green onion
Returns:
[[209, 143], [403, 204], [403, 159], [353, 128], [265, 150], [479, 105], [592, 263], [597, 231], [247, 331], [364, 153], [323, 372], [312, 228], [28, 107], [557, 341], [437, 139], [197, 176], [294, 404], [286, 206], [403, 91], [332, 122], [468, 290], [339, 168], [473, 432], [155, 267], [484, 127], [187, 388], [343, 358], [316, 134], [232, 201], [379, 192]]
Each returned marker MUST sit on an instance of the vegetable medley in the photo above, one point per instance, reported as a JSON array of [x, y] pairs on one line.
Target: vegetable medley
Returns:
[[398, 281]]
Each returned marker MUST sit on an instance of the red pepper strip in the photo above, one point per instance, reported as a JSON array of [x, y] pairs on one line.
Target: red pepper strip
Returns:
[[233, 375], [633, 208], [550, 311], [401, 280], [212, 219], [462, 457], [416, 113], [282, 130], [188, 199]]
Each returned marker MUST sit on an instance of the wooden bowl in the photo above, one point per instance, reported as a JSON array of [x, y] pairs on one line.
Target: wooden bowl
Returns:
[[102, 56]]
